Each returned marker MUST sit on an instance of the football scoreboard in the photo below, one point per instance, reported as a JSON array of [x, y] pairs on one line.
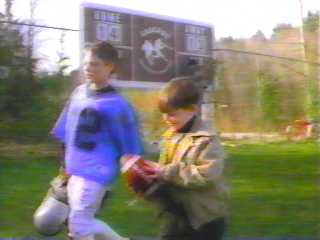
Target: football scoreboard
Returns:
[[152, 48]]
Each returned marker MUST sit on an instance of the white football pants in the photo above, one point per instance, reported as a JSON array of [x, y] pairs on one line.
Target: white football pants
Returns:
[[85, 198]]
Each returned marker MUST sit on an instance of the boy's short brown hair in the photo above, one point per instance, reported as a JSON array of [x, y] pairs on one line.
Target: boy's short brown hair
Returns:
[[179, 93], [104, 51]]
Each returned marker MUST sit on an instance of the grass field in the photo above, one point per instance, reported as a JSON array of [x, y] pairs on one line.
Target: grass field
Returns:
[[274, 191]]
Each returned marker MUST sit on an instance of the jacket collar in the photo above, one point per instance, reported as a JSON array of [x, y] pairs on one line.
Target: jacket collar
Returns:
[[97, 92], [199, 129]]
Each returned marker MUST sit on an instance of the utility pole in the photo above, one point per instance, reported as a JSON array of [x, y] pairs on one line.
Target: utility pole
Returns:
[[318, 42], [304, 57], [319, 49], [207, 107], [311, 72], [302, 38]]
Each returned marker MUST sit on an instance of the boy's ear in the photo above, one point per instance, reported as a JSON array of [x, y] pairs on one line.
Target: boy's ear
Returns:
[[195, 108], [112, 66]]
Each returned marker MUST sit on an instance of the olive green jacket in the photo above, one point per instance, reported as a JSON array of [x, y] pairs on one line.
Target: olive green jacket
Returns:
[[193, 163]]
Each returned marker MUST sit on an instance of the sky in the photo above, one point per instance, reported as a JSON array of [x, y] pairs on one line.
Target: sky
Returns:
[[236, 18]]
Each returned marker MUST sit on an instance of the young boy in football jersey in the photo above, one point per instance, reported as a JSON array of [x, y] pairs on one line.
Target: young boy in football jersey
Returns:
[[98, 127]]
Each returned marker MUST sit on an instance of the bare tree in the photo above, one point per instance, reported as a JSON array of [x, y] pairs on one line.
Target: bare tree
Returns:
[[30, 39], [31, 30], [62, 57], [8, 7]]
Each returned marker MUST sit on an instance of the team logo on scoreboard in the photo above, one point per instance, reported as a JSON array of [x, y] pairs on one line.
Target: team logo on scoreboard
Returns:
[[156, 50]]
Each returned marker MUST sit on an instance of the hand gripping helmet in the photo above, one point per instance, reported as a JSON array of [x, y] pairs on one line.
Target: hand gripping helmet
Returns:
[[50, 217]]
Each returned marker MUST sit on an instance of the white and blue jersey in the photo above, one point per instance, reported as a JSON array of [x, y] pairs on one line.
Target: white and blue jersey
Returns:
[[97, 128]]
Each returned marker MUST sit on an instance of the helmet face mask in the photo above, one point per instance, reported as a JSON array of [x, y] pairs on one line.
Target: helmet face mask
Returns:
[[51, 216]]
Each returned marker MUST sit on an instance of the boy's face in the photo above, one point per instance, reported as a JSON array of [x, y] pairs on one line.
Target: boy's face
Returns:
[[96, 70], [178, 118]]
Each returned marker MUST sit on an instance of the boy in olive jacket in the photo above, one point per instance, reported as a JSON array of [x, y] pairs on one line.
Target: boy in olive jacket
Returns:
[[192, 189]]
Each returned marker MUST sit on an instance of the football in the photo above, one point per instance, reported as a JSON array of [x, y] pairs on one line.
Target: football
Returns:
[[137, 175]]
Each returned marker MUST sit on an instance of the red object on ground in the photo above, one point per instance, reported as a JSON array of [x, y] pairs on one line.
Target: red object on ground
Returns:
[[302, 124], [299, 130], [137, 174]]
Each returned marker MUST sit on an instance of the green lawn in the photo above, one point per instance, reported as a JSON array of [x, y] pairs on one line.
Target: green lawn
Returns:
[[274, 191]]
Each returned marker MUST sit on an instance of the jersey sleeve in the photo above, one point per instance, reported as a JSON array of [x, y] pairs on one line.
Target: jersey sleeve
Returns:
[[59, 129]]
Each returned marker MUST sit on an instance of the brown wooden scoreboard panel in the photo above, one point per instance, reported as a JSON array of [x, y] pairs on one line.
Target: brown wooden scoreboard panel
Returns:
[[152, 48]]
